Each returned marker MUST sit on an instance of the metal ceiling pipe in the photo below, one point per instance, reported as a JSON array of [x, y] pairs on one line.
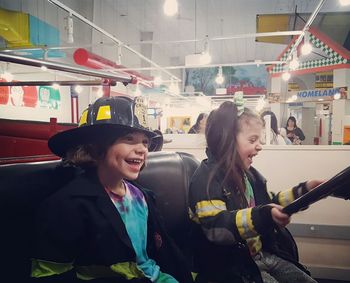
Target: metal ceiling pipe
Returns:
[[257, 63], [61, 83], [65, 68], [237, 36], [88, 59], [116, 40]]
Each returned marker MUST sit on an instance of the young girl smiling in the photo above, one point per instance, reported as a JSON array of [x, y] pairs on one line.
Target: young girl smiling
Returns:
[[102, 227], [239, 233]]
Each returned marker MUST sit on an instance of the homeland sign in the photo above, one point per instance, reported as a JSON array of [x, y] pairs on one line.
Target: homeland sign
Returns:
[[316, 94]]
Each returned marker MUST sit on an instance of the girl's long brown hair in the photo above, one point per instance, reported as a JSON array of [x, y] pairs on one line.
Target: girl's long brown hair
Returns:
[[223, 126]]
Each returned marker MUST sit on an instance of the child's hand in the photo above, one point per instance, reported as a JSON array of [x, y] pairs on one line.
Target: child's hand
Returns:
[[311, 184], [280, 218]]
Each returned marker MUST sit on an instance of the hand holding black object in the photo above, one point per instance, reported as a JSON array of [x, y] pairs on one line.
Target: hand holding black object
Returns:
[[337, 186]]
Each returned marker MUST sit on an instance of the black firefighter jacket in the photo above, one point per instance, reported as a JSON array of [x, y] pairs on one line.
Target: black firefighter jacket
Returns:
[[80, 229], [220, 253]]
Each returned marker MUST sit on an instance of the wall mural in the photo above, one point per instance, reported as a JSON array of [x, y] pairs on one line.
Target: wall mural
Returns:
[[30, 96], [249, 79]]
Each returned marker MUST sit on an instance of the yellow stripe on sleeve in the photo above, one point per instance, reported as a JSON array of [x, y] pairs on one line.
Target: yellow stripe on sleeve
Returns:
[[193, 216], [244, 223], [286, 197], [208, 208], [42, 268]]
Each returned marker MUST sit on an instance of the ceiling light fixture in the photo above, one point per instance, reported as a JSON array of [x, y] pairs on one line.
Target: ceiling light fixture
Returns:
[[344, 2], [157, 81], [307, 47], [170, 7], [294, 63], [286, 76], [7, 76], [260, 105], [219, 78], [55, 86], [337, 96], [78, 89], [205, 58], [69, 28], [174, 88], [119, 54]]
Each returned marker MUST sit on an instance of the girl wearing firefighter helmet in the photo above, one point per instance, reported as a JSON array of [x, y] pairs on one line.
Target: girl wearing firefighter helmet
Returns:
[[102, 226]]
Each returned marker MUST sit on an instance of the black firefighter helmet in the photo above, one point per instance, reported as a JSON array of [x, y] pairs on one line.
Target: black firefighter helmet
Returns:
[[105, 117]]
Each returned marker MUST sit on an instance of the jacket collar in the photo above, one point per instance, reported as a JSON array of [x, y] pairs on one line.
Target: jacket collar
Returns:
[[87, 185]]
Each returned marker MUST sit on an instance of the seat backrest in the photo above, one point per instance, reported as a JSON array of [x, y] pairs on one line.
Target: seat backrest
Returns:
[[24, 186], [168, 175]]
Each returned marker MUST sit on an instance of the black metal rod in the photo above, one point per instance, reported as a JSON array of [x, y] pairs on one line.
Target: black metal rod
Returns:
[[61, 83]]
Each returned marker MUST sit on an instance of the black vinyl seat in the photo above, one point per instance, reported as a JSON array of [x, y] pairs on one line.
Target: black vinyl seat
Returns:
[[24, 186]]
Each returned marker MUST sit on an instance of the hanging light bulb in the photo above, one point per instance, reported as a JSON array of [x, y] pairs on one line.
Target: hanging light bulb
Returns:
[[260, 105], [157, 80], [45, 54], [219, 78], [7, 76], [205, 58], [55, 86], [337, 96], [286, 76], [174, 87], [344, 2], [119, 55], [307, 47], [137, 91], [170, 7], [78, 89], [69, 28], [5, 73], [294, 63]]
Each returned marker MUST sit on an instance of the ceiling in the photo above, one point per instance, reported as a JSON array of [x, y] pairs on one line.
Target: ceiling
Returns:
[[141, 28]]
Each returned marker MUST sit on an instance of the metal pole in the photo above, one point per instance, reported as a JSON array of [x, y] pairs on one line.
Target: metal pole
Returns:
[[65, 68], [61, 83], [258, 63], [237, 36]]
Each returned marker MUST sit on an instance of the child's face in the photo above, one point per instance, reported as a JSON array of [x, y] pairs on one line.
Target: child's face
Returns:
[[248, 141], [127, 155]]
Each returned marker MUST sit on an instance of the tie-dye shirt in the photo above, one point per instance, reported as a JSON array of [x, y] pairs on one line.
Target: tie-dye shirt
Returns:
[[133, 210]]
